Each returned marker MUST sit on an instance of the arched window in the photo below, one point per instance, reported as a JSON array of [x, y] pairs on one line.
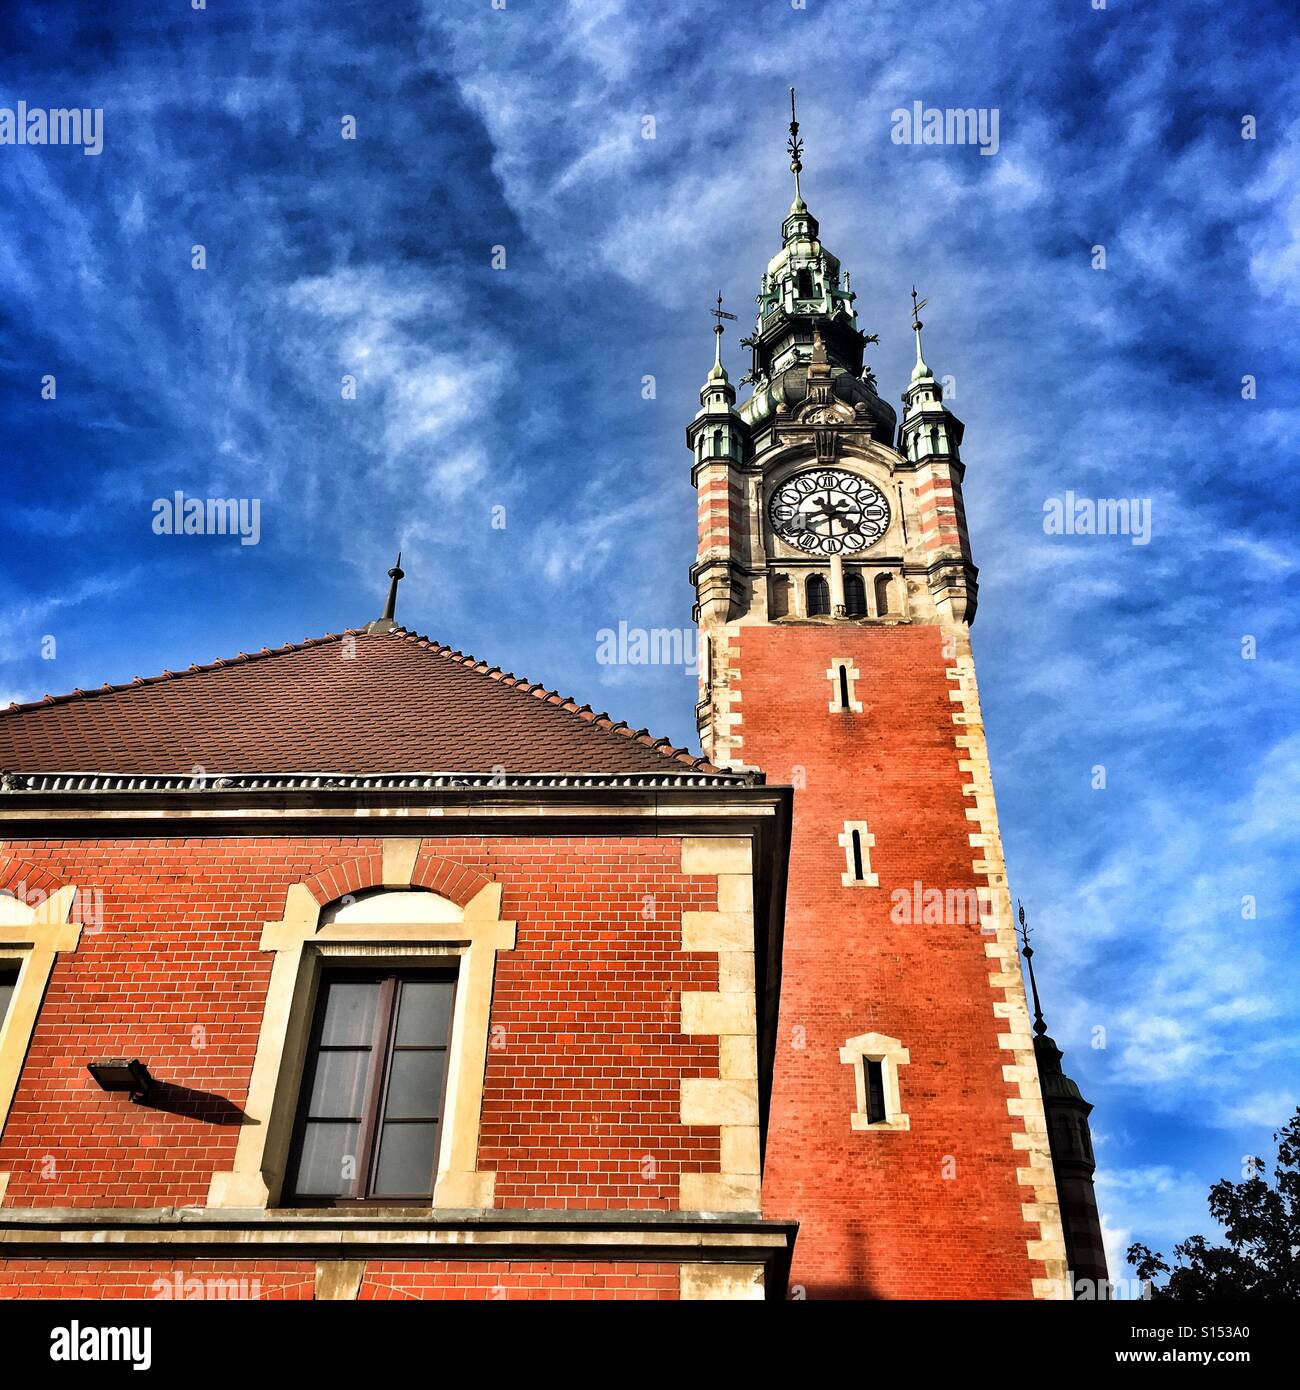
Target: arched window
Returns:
[[806, 288], [717, 441], [780, 604], [855, 596], [819, 597], [882, 595]]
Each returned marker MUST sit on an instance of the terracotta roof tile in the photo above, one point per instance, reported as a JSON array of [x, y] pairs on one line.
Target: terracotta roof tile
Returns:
[[349, 702]]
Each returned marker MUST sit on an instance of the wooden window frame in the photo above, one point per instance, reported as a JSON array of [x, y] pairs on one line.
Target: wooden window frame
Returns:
[[374, 1102]]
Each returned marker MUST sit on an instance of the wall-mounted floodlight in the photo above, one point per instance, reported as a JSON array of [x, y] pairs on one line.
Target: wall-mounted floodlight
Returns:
[[122, 1074]]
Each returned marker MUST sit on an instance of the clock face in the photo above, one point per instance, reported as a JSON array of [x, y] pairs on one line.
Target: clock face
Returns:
[[828, 511]]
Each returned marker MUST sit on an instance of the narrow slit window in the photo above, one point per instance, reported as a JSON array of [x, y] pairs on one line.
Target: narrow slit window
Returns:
[[856, 841], [876, 1113], [845, 701]]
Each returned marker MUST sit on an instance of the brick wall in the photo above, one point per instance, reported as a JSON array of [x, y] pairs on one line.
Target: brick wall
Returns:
[[522, 1279], [583, 1075], [934, 1211], [295, 1279], [173, 1279]]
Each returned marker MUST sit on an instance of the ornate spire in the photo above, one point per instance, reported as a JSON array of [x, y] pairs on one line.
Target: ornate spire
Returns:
[[719, 372], [1040, 1028], [795, 146], [921, 370], [387, 622]]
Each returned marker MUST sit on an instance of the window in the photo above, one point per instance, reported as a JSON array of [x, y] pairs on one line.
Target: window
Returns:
[[876, 1060], [882, 595], [780, 596], [875, 1077], [855, 596], [34, 931], [843, 676], [806, 288], [371, 1107], [819, 597], [856, 841]]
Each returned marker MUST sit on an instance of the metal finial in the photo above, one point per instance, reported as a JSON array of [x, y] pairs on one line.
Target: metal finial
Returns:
[[795, 146], [917, 306], [1028, 952], [387, 622]]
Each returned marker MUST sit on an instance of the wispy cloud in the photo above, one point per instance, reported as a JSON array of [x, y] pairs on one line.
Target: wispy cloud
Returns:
[[502, 432]]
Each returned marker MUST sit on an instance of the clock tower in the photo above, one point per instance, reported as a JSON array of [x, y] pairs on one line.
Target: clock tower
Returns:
[[835, 593]]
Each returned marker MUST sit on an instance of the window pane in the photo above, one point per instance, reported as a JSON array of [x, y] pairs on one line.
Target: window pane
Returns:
[[339, 1085], [8, 979], [406, 1155], [415, 1085], [425, 1013], [329, 1159], [349, 1013]]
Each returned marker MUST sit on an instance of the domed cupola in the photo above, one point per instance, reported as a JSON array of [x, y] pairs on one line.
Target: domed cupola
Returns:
[[804, 291]]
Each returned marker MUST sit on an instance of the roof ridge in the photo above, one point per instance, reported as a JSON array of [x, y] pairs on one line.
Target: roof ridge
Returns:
[[662, 746], [195, 669]]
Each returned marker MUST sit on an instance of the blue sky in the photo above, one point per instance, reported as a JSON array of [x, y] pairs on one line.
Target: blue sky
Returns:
[[521, 388]]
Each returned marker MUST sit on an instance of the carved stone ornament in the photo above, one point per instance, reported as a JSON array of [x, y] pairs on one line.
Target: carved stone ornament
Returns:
[[833, 414]]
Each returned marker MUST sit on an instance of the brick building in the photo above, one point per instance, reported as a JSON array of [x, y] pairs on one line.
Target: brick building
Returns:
[[363, 969]]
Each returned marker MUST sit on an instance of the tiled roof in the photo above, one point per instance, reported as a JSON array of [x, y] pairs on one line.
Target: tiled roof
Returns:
[[351, 702]]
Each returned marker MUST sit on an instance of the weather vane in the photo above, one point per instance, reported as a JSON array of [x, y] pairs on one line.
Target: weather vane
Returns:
[[917, 306], [795, 146], [720, 313]]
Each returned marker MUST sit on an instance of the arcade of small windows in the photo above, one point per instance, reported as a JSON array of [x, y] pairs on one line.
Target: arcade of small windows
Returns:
[[783, 596], [717, 443]]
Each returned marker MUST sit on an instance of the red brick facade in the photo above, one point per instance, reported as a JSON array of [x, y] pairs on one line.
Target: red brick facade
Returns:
[[384, 1279], [934, 1211], [584, 1067]]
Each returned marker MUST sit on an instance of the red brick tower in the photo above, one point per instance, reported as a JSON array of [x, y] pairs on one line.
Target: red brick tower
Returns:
[[835, 590]]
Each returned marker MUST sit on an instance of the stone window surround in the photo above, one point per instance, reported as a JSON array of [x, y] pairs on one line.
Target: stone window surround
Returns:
[[851, 676], [891, 1054], [30, 938], [866, 841], [302, 946]]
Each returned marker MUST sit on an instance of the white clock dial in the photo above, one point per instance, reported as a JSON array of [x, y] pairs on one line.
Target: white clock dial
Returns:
[[829, 511]]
